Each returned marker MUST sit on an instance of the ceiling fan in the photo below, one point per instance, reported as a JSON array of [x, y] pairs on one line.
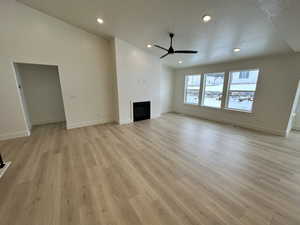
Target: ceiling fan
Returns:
[[171, 50]]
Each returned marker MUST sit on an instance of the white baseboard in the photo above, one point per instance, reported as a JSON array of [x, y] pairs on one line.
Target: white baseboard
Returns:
[[17, 134], [124, 122], [156, 116], [89, 123], [247, 126], [263, 129], [45, 122]]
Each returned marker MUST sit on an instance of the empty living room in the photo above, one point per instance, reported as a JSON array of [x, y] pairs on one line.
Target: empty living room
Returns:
[[149, 112]]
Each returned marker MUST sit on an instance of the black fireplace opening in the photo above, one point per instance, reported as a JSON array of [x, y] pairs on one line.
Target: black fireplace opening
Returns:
[[1, 162], [141, 111]]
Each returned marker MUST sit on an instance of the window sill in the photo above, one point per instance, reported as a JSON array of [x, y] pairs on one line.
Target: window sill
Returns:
[[202, 106], [227, 109], [190, 104], [210, 107], [238, 110]]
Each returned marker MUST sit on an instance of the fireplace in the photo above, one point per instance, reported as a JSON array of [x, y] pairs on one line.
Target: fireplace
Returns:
[[141, 111]]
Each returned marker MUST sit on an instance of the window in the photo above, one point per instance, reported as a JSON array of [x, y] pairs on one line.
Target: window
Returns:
[[241, 91], [213, 89], [192, 88]]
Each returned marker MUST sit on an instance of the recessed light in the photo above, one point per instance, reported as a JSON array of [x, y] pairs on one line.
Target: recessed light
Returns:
[[236, 49], [180, 62], [149, 46], [206, 18], [99, 20]]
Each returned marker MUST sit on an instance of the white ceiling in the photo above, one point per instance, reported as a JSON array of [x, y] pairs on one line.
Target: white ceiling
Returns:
[[258, 27]]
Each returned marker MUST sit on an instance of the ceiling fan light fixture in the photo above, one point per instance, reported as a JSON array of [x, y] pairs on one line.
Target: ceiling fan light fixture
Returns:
[[149, 46], [100, 21], [171, 51], [206, 18], [236, 50], [180, 62]]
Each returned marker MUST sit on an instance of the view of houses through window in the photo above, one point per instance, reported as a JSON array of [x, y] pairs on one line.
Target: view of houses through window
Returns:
[[240, 91], [192, 88], [213, 89]]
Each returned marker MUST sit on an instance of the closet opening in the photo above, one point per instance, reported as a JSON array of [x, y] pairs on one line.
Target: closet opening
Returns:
[[41, 94]]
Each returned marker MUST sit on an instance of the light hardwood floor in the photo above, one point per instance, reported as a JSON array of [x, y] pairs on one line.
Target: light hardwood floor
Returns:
[[173, 170]]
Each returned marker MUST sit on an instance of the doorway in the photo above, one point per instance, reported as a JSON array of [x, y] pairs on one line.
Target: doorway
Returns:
[[41, 94]]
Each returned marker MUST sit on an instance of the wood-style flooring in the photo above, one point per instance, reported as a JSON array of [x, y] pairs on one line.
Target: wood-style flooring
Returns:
[[174, 170]]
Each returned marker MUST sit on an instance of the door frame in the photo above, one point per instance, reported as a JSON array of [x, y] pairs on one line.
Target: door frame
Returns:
[[293, 110], [21, 100]]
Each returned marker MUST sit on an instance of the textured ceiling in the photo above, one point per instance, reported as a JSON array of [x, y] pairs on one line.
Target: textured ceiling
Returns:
[[258, 27]]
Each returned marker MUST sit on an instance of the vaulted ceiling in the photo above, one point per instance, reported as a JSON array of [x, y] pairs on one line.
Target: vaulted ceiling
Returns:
[[257, 27]]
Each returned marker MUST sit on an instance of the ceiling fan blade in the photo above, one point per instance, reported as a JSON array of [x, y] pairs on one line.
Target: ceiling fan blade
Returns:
[[164, 55], [186, 51], [157, 46]]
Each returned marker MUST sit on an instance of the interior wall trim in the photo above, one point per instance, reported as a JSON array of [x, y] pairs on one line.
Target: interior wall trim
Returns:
[[43, 122], [243, 125], [89, 123], [12, 135]]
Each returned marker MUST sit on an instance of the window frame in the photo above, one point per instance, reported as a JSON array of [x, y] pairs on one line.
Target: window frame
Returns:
[[228, 91], [185, 89], [203, 90]]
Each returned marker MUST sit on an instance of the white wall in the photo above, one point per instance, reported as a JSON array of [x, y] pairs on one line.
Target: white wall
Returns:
[[115, 86], [138, 79], [42, 91], [84, 62], [276, 89], [166, 89]]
